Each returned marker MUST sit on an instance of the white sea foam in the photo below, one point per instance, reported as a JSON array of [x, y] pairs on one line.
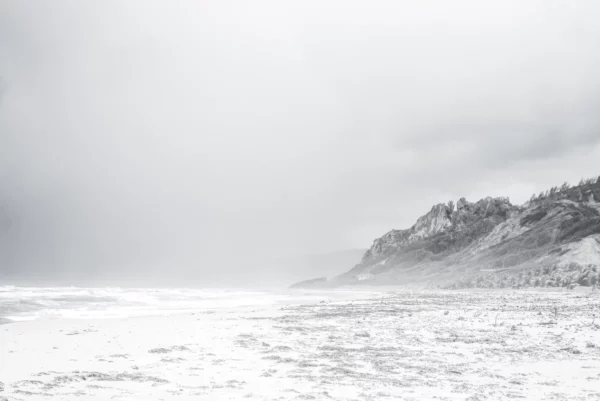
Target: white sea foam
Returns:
[[25, 304]]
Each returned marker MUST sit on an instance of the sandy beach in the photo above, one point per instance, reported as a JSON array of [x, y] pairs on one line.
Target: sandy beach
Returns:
[[397, 345]]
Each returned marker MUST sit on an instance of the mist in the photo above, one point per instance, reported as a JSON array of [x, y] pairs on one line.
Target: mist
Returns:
[[203, 143]]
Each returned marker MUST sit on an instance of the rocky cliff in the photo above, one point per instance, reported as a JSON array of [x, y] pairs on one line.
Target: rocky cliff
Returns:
[[552, 240], [443, 218]]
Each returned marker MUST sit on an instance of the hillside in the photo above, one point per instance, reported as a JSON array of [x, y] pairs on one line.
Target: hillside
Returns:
[[552, 240], [307, 266]]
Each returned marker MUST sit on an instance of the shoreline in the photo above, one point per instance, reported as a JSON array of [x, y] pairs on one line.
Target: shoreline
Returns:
[[398, 345]]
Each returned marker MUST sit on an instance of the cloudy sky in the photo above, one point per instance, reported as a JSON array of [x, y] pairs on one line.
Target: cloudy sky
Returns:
[[216, 135]]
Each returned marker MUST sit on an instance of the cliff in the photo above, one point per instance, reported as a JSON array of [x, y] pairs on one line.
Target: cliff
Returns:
[[552, 240]]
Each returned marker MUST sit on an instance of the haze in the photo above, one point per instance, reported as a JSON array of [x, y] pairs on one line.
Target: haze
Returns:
[[199, 142]]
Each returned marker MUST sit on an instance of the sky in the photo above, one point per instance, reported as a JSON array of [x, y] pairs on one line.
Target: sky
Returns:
[[215, 137]]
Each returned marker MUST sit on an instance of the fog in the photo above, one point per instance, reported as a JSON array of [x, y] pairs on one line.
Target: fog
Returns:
[[205, 142]]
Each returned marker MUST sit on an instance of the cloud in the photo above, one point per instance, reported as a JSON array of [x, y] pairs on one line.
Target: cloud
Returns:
[[2, 89], [210, 137]]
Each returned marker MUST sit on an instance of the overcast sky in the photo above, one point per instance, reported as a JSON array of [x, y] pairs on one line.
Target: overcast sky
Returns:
[[215, 134]]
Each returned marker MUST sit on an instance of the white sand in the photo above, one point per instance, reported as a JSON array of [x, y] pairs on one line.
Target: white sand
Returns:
[[490, 345]]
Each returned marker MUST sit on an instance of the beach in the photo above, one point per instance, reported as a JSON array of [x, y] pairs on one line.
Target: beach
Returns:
[[319, 345]]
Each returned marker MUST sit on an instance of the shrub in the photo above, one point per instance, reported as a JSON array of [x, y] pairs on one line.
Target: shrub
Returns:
[[533, 217], [584, 280], [581, 222]]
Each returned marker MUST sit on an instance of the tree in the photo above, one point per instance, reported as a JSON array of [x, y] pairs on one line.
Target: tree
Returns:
[[564, 187], [451, 206]]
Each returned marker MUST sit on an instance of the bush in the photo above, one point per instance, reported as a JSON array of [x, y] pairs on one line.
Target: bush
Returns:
[[584, 280], [533, 217], [581, 224]]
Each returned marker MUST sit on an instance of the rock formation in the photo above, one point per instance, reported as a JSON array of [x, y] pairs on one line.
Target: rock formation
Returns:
[[552, 240]]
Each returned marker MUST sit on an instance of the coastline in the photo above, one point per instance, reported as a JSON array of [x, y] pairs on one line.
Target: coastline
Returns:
[[416, 345]]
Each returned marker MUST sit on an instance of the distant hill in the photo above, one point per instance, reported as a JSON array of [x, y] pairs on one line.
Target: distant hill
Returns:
[[313, 283], [552, 240], [304, 267]]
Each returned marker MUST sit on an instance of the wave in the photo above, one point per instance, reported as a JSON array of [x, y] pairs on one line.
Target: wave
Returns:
[[21, 304]]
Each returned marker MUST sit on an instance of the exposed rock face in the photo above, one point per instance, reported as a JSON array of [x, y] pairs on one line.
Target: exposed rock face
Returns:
[[492, 236], [440, 219], [461, 204], [387, 244], [437, 220]]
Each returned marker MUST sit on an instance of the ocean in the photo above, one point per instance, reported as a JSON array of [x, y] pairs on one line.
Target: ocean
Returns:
[[34, 303]]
